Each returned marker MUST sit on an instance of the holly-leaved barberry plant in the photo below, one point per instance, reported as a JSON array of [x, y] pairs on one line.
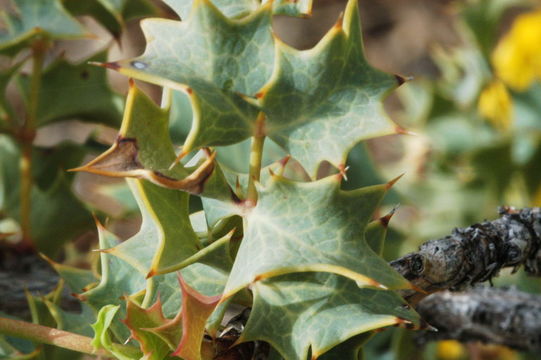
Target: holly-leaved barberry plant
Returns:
[[304, 255]]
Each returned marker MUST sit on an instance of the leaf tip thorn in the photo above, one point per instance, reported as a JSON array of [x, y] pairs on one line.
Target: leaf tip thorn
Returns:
[[177, 159], [152, 273], [98, 223], [384, 220], [400, 130], [77, 169], [391, 183], [339, 23], [342, 172], [406, 324], [402, 79], [108, 65]]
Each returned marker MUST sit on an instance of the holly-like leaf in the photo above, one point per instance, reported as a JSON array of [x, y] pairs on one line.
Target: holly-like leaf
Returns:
[[329, 93], [144, 150], [138, 321], [118, 279], [196, 309], [76, 92], [317, 311], [321, 102], [207, 274], [78, 323], [166, 237], [78, 280], [214, 59], [31, 18], [314, 226], [158, 335], [102, 338], [169, 331]]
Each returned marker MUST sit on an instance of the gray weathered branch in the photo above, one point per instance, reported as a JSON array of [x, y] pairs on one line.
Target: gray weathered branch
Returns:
[[474, 254], [502, 316]]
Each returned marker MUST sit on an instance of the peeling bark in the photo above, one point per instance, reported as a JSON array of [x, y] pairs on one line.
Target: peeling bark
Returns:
[[474, 254], [502, 316]]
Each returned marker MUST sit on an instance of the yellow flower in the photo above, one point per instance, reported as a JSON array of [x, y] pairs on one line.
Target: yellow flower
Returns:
[[517, 58], [450, 350], [495, 105]]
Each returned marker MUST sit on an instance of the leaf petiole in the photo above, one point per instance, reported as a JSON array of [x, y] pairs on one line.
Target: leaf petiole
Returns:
[[256, 154]]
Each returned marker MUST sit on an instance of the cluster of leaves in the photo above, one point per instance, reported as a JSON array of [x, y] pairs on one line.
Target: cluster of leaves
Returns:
[[36, 201], [298, 249]]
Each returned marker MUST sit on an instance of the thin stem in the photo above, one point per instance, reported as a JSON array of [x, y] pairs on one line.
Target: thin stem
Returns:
[[51, 336], [27, 135], [256, 154]]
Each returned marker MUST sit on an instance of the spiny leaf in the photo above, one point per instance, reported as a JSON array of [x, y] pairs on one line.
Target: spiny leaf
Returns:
[[33, 18], [144, 150], [169, 331], [158, 335], [312, 95], [207, 274], [214, 59], [321, 102], [299, 311], [311, 227], [78, 323], [77, 279], [102, 338], [118, 279], [143, 135], [138, 321], [166, 237], [196, 309], [76, 92]]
